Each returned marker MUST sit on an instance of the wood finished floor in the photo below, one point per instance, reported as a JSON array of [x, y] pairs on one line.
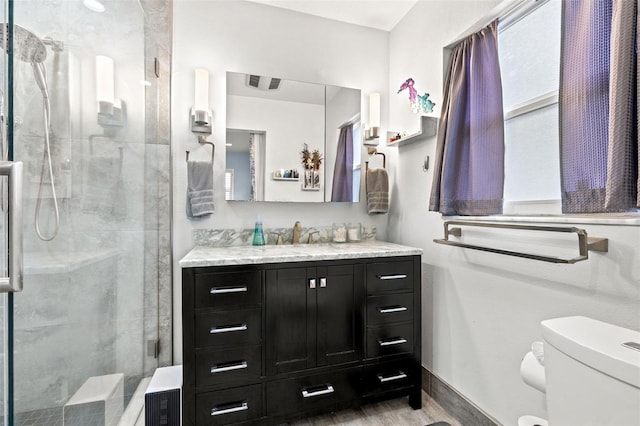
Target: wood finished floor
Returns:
[[385, 413]]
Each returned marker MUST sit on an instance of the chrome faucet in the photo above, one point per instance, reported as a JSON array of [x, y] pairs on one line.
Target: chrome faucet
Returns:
[[310, 239], [297, 230]]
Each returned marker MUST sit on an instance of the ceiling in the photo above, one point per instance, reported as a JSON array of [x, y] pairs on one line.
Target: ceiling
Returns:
[[379, 14]]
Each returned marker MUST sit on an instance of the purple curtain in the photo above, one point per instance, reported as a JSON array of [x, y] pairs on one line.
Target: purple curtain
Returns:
[[469, 166], [598, 104], [342, 188]]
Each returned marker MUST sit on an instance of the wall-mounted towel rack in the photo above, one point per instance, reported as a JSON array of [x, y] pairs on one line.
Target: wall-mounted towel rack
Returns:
[[374, 151], [206, 142], [585, 243]]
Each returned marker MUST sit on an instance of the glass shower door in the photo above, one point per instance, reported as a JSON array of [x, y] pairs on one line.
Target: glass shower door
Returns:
[[85, 326]]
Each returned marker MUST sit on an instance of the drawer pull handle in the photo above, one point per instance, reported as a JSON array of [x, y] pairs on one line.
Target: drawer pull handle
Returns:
[[391, 309], [399, 376], [326, 390], [221, 368], [232, 408], [392, 277], [392, 341], [228, 329], [225, 290]]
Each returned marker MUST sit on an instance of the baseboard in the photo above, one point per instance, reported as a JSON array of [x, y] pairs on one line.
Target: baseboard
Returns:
[[458, 407]]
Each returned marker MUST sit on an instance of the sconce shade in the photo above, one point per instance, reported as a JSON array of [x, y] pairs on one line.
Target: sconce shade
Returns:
[[374, 110], [201, 90], [104, 79]]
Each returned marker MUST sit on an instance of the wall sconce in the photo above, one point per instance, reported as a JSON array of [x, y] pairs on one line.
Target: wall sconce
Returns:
[[201, 115], [111, 111], [373, 132]]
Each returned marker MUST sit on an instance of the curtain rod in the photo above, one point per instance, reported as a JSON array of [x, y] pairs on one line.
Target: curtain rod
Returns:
[[507, 13]]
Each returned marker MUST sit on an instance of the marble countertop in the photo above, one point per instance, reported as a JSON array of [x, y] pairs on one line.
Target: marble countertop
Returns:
[[251, 255]]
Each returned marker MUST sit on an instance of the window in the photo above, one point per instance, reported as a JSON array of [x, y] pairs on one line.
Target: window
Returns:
[[228, 184], [529, 49]]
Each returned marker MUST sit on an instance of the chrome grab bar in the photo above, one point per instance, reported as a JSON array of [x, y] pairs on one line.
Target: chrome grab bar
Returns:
[[14, 279], [392, 341], [225, 290], [238, 406], [327, 389], [392, 277], [399, 376], [221, 368], [391, 309], [227, 328], [585, 243]]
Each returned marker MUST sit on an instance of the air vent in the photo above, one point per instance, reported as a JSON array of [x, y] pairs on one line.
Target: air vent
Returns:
[[254, 81], [263, 83], [275, 83]]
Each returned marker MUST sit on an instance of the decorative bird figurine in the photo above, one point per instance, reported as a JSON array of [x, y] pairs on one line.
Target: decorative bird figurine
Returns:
[[412, 92], [417, 102], [425, 103]]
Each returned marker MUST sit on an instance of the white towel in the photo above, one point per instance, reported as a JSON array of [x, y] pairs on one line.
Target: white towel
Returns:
[[200, 189], [377, 183]]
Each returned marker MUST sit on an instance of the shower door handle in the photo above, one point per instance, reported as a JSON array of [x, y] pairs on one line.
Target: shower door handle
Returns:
[[13, 281]]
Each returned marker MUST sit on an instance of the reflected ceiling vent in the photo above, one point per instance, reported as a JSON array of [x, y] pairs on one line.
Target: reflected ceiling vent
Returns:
[[262, 82]]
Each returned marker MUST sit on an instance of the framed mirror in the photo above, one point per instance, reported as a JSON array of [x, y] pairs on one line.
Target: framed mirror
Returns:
[[274, 125]]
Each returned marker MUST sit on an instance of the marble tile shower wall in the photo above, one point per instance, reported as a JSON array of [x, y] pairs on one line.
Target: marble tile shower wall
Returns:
[[64, 340]]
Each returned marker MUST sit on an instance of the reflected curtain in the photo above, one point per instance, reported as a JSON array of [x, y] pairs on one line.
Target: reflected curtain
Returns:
[[469, 166], [256, 165], [342, 187], [598, 103]]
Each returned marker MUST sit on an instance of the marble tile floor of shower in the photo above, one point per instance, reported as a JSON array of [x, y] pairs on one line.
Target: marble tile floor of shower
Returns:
[[386, 413]]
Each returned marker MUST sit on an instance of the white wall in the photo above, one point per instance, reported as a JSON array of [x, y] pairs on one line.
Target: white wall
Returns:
[[240, 36], [287, 126], [481, 310]]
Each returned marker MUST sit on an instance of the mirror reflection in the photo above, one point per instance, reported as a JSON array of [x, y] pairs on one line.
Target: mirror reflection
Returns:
[[291, 141]]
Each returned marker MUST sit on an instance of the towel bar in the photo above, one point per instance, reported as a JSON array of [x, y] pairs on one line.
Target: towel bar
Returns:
[[205, 142], [374, 151], [585, 243]]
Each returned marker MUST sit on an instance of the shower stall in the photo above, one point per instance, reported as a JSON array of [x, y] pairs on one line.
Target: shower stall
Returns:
[[83, 106]]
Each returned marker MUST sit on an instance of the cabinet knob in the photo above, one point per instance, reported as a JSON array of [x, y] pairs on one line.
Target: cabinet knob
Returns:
[[312, 283], [323, 282]]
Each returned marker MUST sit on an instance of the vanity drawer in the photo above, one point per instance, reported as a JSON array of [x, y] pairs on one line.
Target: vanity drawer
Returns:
[[390, 376], [227, 289], [230, 328], [383, 277], [228, 366], [313, 392], [389, 339], [389, 308], [229, 406]]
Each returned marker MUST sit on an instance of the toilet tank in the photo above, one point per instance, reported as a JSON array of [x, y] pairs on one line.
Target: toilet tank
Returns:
[[591, 377]]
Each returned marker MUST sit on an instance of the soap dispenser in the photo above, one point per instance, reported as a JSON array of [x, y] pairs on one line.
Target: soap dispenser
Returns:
[[258, 234]]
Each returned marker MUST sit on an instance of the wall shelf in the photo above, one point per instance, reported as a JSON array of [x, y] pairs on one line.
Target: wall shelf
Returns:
[[295, 179], [428, 128]]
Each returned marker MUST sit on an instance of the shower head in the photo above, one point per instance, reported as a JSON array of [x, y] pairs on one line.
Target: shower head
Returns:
[[27, 46]]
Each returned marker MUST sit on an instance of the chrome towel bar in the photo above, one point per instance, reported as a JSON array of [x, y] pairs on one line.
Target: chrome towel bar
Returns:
[[585, 243]]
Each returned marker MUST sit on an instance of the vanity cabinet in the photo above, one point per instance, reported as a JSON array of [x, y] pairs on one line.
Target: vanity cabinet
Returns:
[[313, 316], [268, 343]]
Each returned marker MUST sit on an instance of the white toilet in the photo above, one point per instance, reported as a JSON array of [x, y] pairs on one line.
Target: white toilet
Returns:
[[592, 376]]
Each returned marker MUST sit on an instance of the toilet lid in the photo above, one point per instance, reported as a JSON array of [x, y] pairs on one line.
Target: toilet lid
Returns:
[[596, 344]]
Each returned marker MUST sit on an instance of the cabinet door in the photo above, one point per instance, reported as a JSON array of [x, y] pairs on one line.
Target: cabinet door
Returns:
[[340, 313], [290, 319]]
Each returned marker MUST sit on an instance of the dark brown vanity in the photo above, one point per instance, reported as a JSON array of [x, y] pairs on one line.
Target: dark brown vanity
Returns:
[[277, 338]]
